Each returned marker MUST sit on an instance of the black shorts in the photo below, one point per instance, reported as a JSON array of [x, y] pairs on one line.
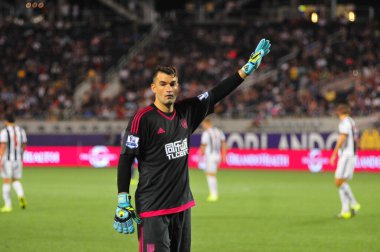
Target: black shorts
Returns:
[[166, 233]]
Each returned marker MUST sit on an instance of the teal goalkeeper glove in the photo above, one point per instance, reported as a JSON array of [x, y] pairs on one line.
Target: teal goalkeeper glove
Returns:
[[254, 61], [124, 215]]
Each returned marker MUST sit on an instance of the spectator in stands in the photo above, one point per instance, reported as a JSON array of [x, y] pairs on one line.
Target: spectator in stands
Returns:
[[44, 63]]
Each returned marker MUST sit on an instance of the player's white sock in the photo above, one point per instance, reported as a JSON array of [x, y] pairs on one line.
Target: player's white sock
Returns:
[[212, 185], [346, 187], [344, 200], [18, 188], [7, 195]]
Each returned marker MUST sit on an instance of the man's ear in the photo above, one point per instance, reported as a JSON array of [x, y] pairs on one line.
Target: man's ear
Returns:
[[153, 87]]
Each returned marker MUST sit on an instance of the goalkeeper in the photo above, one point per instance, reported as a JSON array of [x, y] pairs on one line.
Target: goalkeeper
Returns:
[[158, 136]]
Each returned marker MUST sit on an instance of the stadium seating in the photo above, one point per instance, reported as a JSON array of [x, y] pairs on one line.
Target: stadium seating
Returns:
[[47, 55], [45, 60]]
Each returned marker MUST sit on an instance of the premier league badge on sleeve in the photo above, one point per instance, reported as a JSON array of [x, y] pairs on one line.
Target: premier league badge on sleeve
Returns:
[[203, 96], [132, 142]]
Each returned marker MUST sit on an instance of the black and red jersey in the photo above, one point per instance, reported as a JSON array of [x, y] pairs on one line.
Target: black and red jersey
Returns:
[[160, 141]]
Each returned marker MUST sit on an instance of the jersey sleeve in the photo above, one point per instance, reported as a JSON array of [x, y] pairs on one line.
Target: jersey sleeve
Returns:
[[204, 138], [130, 146], [198, 108], [130, 143], [3, 136], [344, 128]]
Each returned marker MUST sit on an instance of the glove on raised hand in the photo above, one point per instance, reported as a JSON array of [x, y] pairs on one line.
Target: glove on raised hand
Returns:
[[254, 61]]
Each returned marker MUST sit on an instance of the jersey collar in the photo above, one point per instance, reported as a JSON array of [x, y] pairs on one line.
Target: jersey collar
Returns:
[[169, 116]]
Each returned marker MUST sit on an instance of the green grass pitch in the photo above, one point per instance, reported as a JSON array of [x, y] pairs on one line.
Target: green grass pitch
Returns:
[[72, 210]]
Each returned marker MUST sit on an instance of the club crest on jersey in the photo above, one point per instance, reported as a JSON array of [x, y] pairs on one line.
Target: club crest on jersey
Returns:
[[132, 142], [184, 123], [203, 96]]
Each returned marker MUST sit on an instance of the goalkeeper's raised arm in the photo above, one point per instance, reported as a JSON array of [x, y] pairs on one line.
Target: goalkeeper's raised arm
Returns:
[[229, 84]]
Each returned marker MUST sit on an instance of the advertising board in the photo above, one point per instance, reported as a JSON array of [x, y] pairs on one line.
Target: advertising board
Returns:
[[313, 160]]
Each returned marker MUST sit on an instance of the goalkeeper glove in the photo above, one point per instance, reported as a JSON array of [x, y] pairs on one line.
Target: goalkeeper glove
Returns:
[[124, 215], [254, 61]]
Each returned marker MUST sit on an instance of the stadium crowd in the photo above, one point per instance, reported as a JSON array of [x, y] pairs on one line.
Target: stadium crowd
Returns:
[[46, 56], [323, 55], [43, 62]]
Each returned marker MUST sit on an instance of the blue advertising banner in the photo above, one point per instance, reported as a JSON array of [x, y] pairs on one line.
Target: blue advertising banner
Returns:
[[70, 140], [296, 141], [293, 141], [234, 140]]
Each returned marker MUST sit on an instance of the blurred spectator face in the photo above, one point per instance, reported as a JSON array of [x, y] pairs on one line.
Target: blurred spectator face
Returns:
[[166, 88]]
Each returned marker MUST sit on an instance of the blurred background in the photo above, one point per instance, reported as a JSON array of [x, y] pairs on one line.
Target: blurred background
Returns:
[[74, 72]]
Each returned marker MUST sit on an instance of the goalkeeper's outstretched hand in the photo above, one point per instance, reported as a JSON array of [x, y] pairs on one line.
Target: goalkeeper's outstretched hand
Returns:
[[254, 61], [125, 213]]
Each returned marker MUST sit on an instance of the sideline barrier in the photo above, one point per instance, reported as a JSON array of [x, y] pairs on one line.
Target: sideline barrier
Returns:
[[102, 156]]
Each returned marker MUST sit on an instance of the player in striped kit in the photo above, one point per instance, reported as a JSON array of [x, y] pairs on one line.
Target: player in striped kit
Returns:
[[346, 148], [12, 144], [214, 148]]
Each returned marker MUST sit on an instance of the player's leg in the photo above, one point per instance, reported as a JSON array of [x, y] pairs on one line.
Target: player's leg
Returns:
[[6, 174], [211, 166], [340, 179], [345, 210], [17, 186], [180, 231], [354, 205], [153, 234]]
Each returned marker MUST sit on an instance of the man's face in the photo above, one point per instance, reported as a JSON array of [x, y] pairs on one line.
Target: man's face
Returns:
[[166, 88], [205, 125], [338, 113]]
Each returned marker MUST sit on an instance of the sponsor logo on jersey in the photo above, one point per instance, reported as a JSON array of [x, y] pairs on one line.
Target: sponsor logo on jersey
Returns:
[[176, 149], [203, 96], [132, 142]]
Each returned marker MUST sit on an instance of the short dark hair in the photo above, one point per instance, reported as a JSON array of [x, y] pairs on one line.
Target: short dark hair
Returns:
[[343, 108], [9, 117], [170, 70]]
